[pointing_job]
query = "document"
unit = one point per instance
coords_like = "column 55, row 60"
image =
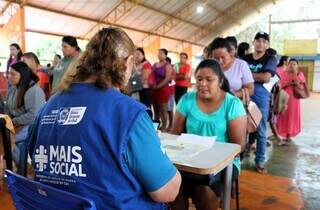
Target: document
column 268, row 86
column 183, row 147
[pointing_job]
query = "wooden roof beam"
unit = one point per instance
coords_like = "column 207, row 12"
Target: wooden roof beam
column 51, row 33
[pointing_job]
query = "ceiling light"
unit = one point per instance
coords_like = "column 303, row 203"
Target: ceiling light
column 199, row 9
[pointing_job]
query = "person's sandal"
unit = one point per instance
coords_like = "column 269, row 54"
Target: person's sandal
column 289, row 140
column 282, row 142
column 261, row 169
column 252, row 147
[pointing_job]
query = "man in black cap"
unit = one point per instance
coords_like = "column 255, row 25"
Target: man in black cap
column 263, row 67
column 70, row 50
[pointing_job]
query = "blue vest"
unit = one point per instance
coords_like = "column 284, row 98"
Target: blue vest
column 81, row 139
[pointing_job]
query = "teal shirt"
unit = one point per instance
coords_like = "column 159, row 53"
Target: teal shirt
column 145, row 157
column 212, row 124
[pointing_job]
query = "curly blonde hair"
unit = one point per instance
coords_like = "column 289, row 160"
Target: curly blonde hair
column 104, row 57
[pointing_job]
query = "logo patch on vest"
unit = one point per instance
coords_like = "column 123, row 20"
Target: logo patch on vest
column 60, row 160
column 64, row 116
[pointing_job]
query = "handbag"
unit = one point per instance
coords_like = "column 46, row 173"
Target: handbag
column 135, row 83
column 301, row 93
column 298, row 92
column 253, row 113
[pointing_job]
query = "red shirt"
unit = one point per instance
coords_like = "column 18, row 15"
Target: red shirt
column 148, row 67
column 44, row 81
column 184, row 70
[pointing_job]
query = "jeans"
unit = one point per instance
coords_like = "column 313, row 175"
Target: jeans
column 20, row 137
column 261, row 136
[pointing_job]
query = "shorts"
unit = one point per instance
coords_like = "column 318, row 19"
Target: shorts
column 162, row 95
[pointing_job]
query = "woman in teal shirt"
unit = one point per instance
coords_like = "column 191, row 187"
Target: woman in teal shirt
column 210, row 111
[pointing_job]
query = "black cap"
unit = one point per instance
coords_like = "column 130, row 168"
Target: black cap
column 263, row 35
column 70, row 40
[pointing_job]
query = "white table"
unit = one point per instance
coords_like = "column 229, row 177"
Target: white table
column 211, row 161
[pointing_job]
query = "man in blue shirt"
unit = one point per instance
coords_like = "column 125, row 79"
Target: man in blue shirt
column 263, row 67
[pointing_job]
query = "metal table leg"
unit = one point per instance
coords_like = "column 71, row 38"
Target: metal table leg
column 227, row 187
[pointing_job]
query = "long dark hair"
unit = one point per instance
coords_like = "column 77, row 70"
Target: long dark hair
column 165, row 51
column 293, row 60
column 217, row 43
column 140, row 49
column 232, row 41
column 18, row 56
column 27, row 76
column 243, row 46
column 215, row 67
column 282, row 60
column 33, row 56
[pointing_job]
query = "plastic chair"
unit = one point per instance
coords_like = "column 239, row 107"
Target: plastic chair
column 32, row 195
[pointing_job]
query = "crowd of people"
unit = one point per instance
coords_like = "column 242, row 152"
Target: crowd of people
column 93, row 111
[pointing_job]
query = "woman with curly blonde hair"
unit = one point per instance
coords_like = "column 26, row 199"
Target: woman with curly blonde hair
column 97, row 139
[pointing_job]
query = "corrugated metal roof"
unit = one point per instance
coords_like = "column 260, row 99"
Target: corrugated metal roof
column 166, row 6
column 50, row 22
column 222, row 4
column 142, row 18
column 78, row 17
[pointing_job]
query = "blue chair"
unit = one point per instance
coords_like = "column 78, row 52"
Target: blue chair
column 32, row 195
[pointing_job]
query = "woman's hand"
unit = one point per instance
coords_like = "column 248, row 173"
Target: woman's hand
column 295, row 82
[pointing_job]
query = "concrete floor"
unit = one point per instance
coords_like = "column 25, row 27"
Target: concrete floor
column 292, row 170
column 300, row 161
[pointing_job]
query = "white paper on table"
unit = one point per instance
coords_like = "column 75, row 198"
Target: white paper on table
column 206, row 141
column 268, row 86
column 181, row 148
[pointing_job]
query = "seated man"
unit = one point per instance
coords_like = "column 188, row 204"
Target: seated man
column 33, row 63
